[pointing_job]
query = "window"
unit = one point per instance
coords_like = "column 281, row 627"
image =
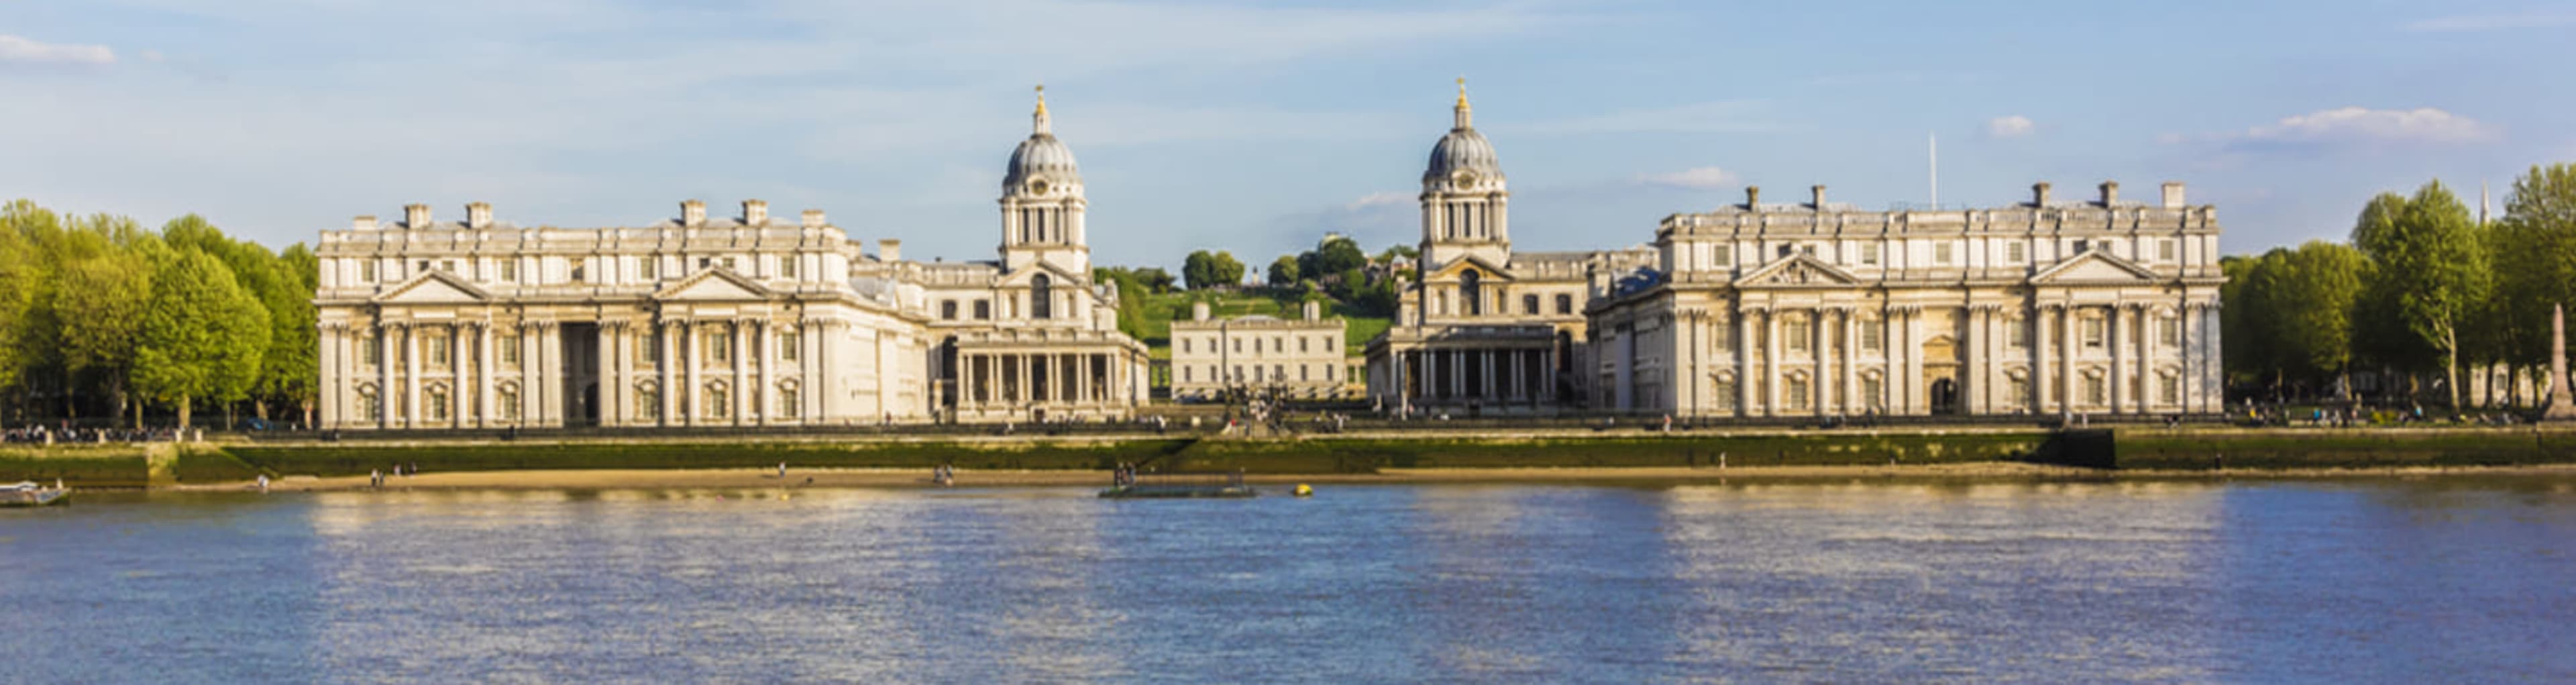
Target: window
column 650, row 267
column 719, row 346
column 2093, row 332
column 2082, row 247
column 2169, row 331
column 1041, row 297
column 1870, row 391
column 787, row 266
column 2017, row 333
column 1278, row 345
column 1301, row 346
column 437, row 404
column 1808, row 250
column 367, row 406
column 509, row 269
column 375, row 351
column 1564, row 304
column 2092, row 389
column 509, row 397
column 648, row 403
column 2165, row 250
column 2169, row 389
column 509, row 349
column 2018, row 393
column 1302, row 370
column 983, row 310
column 447, row 265
column 1185, row 374
column 1529, row 303
column 1799, row 333
column 948, row 310
column 716, row 401
column 1797, row 392
column 1238, row 346
column 791, row 345
column 1941, row 252
column 1725, row 254
column 1726, row 394
column 648, row 349
column 437, row 344
column 580, row 270
column 728, row 263
column 1469, row 296
column 1786, row 250
column 703, row 262
column 790, row 404
column 2012, row 252
column 367, row 271
column 1869, row 253
column 424, row 267
column 1872, row 336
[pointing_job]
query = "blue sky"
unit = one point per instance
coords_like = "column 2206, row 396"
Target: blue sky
column 1259, row 126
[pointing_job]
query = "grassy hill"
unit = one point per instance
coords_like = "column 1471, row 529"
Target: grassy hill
column 1161, row 309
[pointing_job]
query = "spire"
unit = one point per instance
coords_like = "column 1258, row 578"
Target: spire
column 1463, row 116
column 2483, row 203
column 1039, row 119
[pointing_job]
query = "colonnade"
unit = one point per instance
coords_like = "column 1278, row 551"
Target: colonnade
column 1459, row 375
column 640, row 373
column 1011, row 380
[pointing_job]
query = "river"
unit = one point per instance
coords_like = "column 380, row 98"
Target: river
column 2469, row 579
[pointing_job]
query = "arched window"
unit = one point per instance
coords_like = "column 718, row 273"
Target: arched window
column 1470, row 300
column 1041, row 297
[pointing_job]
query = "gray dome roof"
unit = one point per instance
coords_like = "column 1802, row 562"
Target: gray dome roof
column 1041, row 155
column 1465, row 149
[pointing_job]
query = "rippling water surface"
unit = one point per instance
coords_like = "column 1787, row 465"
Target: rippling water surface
column 2450, row 580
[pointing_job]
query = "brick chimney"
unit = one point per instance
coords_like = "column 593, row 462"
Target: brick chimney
column 2110, row 193
column 1752, row 197
column 2039, row 194
column 1818, row 193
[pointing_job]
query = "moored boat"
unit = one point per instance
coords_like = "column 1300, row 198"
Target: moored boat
column 29, row 494
column 1179, row 485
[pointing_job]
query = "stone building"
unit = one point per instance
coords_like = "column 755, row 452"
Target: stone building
column 1817, row 309
column 1485, row 329
column 700, row 321
column 1302, row 357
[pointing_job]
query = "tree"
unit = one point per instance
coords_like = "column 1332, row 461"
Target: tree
column 1283, row 272
column 291, row 370
column 1204, row 269
column 2310, row 305
column 1332, row 256
column 20, row 281
column 203, row 336
column 2431, row 274
column 100, row 303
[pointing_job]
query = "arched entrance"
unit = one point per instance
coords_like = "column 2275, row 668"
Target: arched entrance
column 1945, row 396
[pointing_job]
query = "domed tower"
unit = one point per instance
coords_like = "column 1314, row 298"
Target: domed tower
column 1042, row 203
column 1464, row 202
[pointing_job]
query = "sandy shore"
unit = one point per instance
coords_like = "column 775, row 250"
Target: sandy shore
column 653, row 479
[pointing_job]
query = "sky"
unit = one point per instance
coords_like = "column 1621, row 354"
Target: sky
column 1258, row 127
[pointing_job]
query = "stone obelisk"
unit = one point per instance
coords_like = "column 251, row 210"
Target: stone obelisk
column 2561, row 407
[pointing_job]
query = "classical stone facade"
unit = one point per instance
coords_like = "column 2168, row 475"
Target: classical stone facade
column 1302, row 357
column 1817, row 309
column 698, row 321
column 1486, row 329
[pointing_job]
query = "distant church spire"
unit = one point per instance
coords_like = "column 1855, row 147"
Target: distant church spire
column 1463, row 113
column 1038, row 122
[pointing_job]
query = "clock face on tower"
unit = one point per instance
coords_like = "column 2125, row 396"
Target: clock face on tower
column 1463, row 179
column 1038, row 187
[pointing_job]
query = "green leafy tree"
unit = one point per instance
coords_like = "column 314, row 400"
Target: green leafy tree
column 1332, row 256
column 100, row 301
column 20, row 281
column 2431, row 275
column 1283, row 271
column 1205, row 269
column 203, row 335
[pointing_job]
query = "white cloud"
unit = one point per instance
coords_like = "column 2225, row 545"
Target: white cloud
column 1726, row 116
column 2013, row 126
column 19, row 51
column 1381, row 199
column 2493, row 22
column 1702, row 178
column 2351, row 126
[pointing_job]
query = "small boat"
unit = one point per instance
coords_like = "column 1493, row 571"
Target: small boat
column 28, row 494
column 1181, row 485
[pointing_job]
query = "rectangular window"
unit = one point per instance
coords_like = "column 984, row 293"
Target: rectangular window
column 1799, row 335
column 1797, row 395
column 2169, row 331
column 650, row 267
column 791, row 345
column 719, row 346
column 717, row 402
column 2093, row 332
column 728, row 263
column 983, row 310
column 648, row 350
column 2165, row 250
column 1302, row 370
column 1725, row 255
column 1238, row 346
column 437, row 345
column 2082, row 247
column 1869, row 253
column 787, row 266
column 447, row 265
column 791, row 405
column 2169, row 389
column 1786, row 250
column 1872, row 336
column 367, row 271
column 2017, row 333
column 948, row 310
column 1565, row 304
column 1529, row 303
column 580, row 270
column 509, row 268
column 1808, row 250
column 509, row 404
column 375, row 352
column 2093, row 390
column 1185, row 346
column 1301, row 346
column 1870, row 391
column 1941, row 252
column 2013, row 252
column 509, row 349
column 2019, row 394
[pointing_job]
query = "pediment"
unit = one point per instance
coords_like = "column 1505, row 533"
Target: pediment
column 2094, row 267
column 1799, row 270
column 1457, row 268
column 714, row 284
column 1023, row 276
column 434, row 287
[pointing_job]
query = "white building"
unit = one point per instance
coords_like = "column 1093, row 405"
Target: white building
column 743, row 321
column 1302, row 357
column 1817, row 309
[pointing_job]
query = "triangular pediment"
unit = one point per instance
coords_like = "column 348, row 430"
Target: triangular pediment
column 432, row 288
column 1058, row 277
column 2094, row 267
column 1798, row 270
column 714, row 284
column 1457, row 269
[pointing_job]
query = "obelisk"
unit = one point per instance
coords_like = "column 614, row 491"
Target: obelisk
column 2561, row 407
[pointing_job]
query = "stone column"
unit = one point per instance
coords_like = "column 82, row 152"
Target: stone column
column 766, row 405
column 528, row 390
column 740, row 330
column 411, row 377
column 1744, row 377
column 485, row 359
column 2043, row 319
column 552, row 350
column 1972, row 342
column 2150, row 334
column 456, row 375
column 1852, row 402
column 1820, row 349
column 693, row 336
column 1770, row 363
column 2067, row 345
column 604, row 375
column 664, row 362
column 810, row 369
column 2115, row 325
column 1486, row 389
column 385, row 352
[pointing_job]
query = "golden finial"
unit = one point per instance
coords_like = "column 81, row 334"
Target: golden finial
column 1041, row 98
column 1462, row 91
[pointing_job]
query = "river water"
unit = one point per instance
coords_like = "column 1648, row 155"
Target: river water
column 2382, row 580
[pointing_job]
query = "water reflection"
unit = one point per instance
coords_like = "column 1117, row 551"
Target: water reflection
column 2447, row 580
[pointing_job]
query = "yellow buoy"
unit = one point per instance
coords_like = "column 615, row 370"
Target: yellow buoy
column 1305, row 491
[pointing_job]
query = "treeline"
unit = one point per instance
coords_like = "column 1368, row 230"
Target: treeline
column 2422, row 292
column 102, row 318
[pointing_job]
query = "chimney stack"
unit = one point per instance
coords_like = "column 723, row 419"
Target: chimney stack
column 813, row 218
column 1752, row 197
column 2110, row 193
column 2173, row 195
column 478, row 215
column 1199, row 311
column 415, row 216
column 693, row 213
column 755, row 212
column 890, row 250
column 363, row 223
column 1819, row 193
column 1314, row 310
column 2039, row 194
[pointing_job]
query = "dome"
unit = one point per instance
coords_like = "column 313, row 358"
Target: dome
column 1041, row 155
column 1463, row 149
